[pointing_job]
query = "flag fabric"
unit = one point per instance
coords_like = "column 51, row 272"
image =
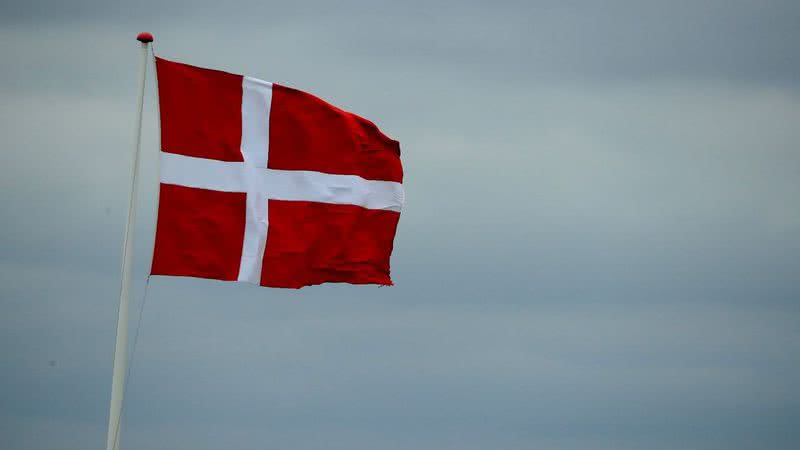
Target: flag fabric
column 270, row 185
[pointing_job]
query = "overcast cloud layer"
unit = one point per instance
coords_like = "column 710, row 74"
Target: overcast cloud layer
column 600, row 247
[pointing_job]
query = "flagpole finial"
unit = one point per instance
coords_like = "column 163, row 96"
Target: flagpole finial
column 144, row 37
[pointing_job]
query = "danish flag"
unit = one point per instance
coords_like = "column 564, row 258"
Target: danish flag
column 270, row 185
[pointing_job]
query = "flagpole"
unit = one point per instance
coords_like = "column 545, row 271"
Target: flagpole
column 121, row 347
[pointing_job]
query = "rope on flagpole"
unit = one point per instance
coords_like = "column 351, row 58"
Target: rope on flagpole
column 132, row 357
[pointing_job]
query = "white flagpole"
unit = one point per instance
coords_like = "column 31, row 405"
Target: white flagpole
column 121, row 348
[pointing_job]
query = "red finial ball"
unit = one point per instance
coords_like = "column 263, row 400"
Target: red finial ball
column 144, row 37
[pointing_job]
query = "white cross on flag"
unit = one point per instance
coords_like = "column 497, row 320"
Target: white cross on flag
column 270, row 185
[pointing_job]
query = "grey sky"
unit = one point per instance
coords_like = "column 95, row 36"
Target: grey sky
column 600, row 248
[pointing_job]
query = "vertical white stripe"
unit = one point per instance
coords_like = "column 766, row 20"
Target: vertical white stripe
column 255, row 238
column 256, row 103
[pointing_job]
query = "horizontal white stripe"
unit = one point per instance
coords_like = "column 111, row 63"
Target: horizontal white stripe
column 295, row 185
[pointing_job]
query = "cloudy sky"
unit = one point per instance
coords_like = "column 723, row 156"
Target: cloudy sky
column 600, row 246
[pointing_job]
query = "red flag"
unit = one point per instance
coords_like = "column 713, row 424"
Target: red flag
column 270, row 185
